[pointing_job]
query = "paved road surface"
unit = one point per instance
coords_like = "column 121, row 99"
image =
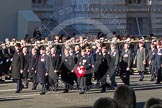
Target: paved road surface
column 31, row 99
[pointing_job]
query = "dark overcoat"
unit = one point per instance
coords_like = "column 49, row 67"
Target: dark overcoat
column 54, row 65
column 66, row 67
column 42, row 68
column 17, row 65
column 26, row 65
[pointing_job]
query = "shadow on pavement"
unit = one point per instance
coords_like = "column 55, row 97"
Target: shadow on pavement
column 12, row 99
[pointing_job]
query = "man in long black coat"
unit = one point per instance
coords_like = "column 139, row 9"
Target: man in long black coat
column 17, row 67
column 103, row 67
column 114, row 53
column 151, row 61
column 158, row 63
column 26, row 66
column 55, row 60
column 32, row 67
column 42, row 69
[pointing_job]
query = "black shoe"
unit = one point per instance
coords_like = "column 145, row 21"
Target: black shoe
column 17, row 91
column 141, row 79
column 42, row 93
column 34, row 88
column 103, row 90
column 157, row 83
column 56, row 89
column 151, row 79
column 22, row 87
column 65, row 91
column 81, row 92
column 7, row 78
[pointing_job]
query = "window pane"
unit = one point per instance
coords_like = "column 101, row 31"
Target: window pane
column 39, row 1
column 134, row 1
column 33, row 1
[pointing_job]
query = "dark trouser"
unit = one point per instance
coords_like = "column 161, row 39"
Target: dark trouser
column 25, row 82
column 19, row 85
column 47, row 82
column 5, row 68
column 104, row 84
column 88, row 80
column 159, row 77
column 125, row 77
column 33, row 77
column 141, row 73
column 152, row 71
column 67, row 87
column 43, row 90
column 82, row 83
column 112, row 78
column 53, row 84
column 1, row 70
column 74, row 77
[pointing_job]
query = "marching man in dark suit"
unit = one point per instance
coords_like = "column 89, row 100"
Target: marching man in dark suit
column 158, row 63
column 42, row 69
column 17, row 67
column 90, row 57
column 32, row 67
column 26, row 65
column 54, row 69
column 114, row 53
column 151, row 61
column 125, row 64
column 77, row 54
column 103, row 67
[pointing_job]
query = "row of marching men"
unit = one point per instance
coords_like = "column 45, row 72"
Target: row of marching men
column 45, row 67
column 80, row 63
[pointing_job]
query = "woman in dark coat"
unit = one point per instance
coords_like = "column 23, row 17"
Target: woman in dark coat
column 54, row 69
column 17, row 67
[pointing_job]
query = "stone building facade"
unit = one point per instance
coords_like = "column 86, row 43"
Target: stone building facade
column 135, row 17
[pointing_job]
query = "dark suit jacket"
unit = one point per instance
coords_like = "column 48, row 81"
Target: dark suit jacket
column 114, row 57
column 151, row 58
column 17, row 65
column 158, row 60
column 125, row 60
column 103, row 65
column 26, row 65
column 42, row 68
column 54, row 65
column 33, row 62
column 66, row 67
